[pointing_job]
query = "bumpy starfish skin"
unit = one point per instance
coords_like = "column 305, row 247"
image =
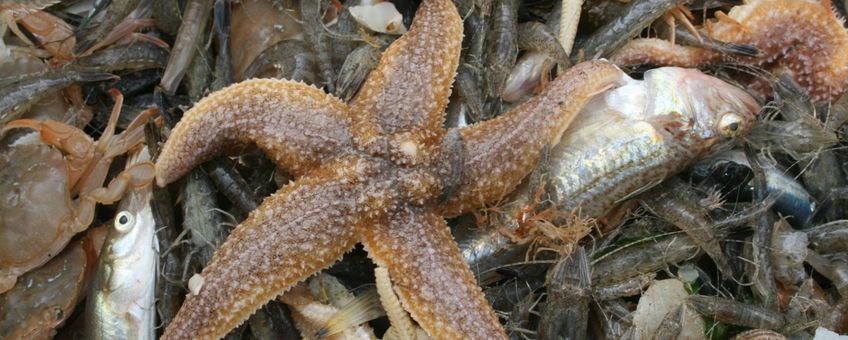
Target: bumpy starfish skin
column 405, row 94
column 495, row 165
column 417, row 240
column 304, row 227
column 377, row 172
column 802, row 36
column 298, row 141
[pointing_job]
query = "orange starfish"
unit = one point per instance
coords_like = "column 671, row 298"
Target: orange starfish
column 802, row 36
column 382, row 171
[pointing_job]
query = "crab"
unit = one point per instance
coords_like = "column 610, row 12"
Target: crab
column 50, row 195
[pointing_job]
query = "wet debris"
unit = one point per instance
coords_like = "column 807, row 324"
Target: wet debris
column 705, row 202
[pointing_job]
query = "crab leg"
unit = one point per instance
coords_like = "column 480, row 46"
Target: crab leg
column 115, row 145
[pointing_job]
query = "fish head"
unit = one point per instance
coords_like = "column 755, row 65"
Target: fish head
column 700, row 111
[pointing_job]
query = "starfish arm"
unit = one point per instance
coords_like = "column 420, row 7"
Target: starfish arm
column 804, row 37
column 662, row 52
column 409, row 89
column 296, row 124
column 304, row 227
column 501, row 151
column 433, row 282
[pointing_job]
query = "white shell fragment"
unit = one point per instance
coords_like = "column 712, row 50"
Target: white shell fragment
column 661, row 298
column 195, row 283
column 525, row 76
column 382, row 17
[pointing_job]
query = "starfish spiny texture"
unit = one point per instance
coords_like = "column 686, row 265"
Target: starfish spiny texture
column 802, row 36
column 382, row 171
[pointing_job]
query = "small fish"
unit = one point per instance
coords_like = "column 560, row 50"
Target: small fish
column 355, row 69
column 673, row 201
column 566, row 312
column 628, row 139
column 794, row 200
column 836, row 270
column 535, row 36
column 313, row 27
column 643, row 256
column 831, row 237
column 628, row 287
column 186, row 45
column 103, row 23
column 736, row 313
column 201, row 218
column 232, row 185
column 16, row 97
column 788, row 251
column 288, row 59
column 223, row 76
column 121, row 298
column 502, row 47
column 636, row 16
column 132, row 57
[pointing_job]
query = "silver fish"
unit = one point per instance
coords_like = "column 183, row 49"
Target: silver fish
column 628, row 139
column 121, row 297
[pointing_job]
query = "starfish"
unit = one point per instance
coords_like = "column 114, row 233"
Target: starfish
column 381, row 170
column 802, row 36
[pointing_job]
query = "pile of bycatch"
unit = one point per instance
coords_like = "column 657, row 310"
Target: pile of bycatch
column 531, row 169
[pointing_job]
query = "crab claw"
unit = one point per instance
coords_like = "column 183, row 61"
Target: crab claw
column 73, row 141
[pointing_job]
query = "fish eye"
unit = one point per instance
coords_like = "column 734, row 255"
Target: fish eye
column 124, row 221
column 730, row 124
